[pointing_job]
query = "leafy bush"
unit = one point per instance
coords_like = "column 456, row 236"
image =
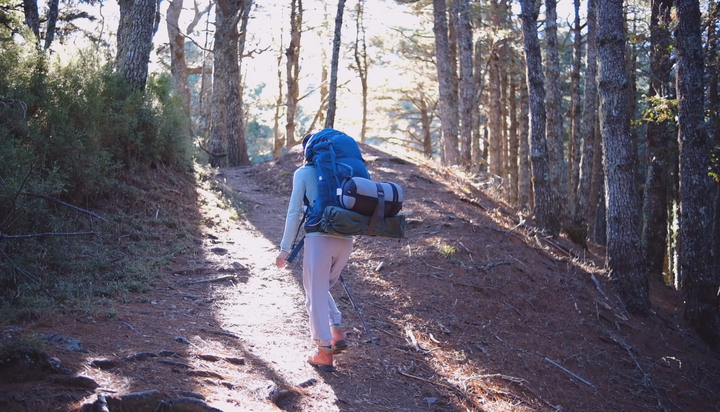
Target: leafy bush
column 70, row 137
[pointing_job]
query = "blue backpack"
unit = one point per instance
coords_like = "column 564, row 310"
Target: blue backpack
column 335, row 157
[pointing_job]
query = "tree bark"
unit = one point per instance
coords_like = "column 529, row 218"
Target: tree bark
column 227, row 142
column 178, row 64
column 467, row 81
column 575, row 109
column 332, row 97
column 361, row 61
column 51, row 23
column 134, row 40
column 545, row 216
column 586, row 198
column 426, row 122
column 278, row 142
column 713, row 59
column 479, row 144
column 448, row 106
column 655, row 206
column 553, row 104
column 700, row 284
column 513, row 143
column 292, row 53
column 494, row 142
column 621, row 199
column 32, row 18
column 524, row 173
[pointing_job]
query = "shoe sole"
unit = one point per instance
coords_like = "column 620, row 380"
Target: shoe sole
column 339, row 347
column 323, row 367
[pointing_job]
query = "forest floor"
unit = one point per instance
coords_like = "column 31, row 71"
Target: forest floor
column 475, row 310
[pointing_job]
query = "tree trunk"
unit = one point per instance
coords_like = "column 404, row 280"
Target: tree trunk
column 278, row 142
column 238, row 141
column 426, row 122
column 655, row 204
column 332, row 97
column 524, row 186
column 325, row 38
column 713, row 59
column 178, row 64
column 503, row 104
column 227, row 143
column 545, row 216
column 361, row 61
column 32, row 18
column 700, row 284
column 478, row 144
column 631, row 68
column 575, row 109
column 51, row 23
column 586, row 194
column 513, row 142
column 622, row 203
column 134, row 40
column 494, row 144
column 494, row 111
column 467, row 89
column 553, row 104
column 292, row 53
column 448, row 106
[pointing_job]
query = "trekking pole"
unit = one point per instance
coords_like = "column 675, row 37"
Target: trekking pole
column 297, row 246
column 359, row 312
column 295, row 250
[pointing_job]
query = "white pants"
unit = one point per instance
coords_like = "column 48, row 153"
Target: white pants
column 323, row 260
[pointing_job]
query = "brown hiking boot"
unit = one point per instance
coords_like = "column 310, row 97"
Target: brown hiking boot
column 322, row 359
column 338, row 342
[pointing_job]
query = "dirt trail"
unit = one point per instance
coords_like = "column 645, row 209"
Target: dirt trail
column 475, row 310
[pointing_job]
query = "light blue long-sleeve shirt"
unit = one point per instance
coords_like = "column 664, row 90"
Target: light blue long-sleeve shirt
column 304, row 185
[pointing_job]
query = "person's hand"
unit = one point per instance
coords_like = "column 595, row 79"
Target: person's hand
column 281, row 259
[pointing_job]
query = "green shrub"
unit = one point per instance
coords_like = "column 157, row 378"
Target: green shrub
column 70, row 136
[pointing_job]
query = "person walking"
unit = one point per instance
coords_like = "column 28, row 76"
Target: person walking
column 325, row 256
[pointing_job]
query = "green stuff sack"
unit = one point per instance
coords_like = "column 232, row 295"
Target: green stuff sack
column 339, row 220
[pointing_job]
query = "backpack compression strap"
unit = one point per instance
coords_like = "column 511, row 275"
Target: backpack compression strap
column 379, row 212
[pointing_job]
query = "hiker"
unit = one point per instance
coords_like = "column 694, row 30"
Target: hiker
column 324, row 258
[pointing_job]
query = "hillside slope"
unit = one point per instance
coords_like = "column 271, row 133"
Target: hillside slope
column 475, row 310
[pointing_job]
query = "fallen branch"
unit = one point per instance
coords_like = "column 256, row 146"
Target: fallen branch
column 474, row 202
column 46, row 234
column 25, row 273
column 427, row 380
column 411, row 336
column 132, row 328
column 622, row 316
column 469, row 400
column 498, row 375
column 491, row 265
column 66, row 204
column 231, row 278
column 19, row 269
column 570, row 373
column 599, row 287
column 220, row 333
column 647, row 380
column 211, row 153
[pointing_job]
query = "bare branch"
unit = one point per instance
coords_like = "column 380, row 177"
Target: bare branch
column 58, row 201
column 198, row 15
column 45, row 234
column 18, row 269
